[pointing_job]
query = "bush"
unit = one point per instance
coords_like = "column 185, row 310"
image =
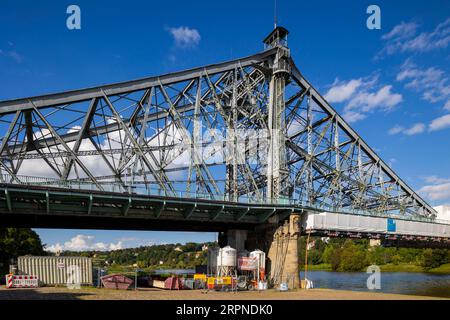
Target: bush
column 335, row 258
column 433, row 258
column 353, row 258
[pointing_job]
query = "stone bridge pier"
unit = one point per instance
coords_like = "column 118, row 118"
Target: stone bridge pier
column 280, row 243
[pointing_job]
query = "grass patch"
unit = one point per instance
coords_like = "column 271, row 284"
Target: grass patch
column 444, row 269
column 317, row 267
column 401, row 267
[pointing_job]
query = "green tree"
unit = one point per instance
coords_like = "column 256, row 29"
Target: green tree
column 353, row 257
column 433, row 258
column 334, row 258
column 15, row 242
column 327, row 254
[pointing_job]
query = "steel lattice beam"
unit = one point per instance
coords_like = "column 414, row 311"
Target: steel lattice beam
column 135, row 135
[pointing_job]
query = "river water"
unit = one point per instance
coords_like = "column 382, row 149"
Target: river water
column 422, row 284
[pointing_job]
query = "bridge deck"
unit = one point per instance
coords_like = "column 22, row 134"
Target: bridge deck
column 37, row 205
column 57, row 207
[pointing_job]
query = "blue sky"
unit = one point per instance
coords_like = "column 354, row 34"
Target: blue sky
column 392, row 84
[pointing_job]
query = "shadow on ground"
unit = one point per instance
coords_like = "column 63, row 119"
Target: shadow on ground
column 32, row 294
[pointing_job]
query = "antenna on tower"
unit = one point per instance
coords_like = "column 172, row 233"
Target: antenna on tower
column 275, row 14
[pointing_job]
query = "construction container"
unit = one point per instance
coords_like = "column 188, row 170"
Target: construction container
column 116, row 281
column 210, row 283
column 172, row 283
column 187, row 283
column 53, row 271
column 159, row 284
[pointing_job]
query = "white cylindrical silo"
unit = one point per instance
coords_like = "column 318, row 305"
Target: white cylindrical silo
column 261, row 256
column 226, row 257
column 213, row 253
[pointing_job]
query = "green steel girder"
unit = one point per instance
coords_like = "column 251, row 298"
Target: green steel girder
column 8, row 200
column 285, row 213
column 242, row 214
column 47, row 202
column 126, row 207
column 264, row 216
column 159, row 209
column 215, row 214
column 189, row 211
column 56, row 202
column 91, row 200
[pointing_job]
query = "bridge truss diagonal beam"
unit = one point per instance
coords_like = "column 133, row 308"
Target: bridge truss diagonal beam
column 180, row 135
column 345, row 169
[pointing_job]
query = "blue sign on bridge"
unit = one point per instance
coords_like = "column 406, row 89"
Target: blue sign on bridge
column 391, row 226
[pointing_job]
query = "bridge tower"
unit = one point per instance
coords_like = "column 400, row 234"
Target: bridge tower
column 283, row 241
column 277, row 172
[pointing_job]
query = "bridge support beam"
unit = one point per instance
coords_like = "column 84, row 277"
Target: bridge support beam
column 283, row 253
column 237, row 239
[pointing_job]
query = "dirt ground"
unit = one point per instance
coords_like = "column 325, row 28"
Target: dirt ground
column 87, row 293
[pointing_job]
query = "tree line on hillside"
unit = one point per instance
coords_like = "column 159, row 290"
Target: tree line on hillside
column 182, row 256
column 356, row 254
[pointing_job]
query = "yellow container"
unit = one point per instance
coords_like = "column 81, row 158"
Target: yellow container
column 210, row 283
column 224, row 280
column 200, row 277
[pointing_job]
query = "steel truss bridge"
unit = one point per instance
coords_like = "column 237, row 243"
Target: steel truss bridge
column 235, row 142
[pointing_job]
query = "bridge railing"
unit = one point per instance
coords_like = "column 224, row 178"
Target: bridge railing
column 116, row 187
column 140, row 189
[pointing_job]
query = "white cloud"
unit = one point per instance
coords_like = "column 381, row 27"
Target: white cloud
column 436, row 180
column 362, row 96
column 435, row 125
column 84, row 243
column 437, row 192
column 341, row 91
column 368, row 101
column 95, row 164
column 396, row 130
column 351, row 116
column 438, row 188
column 401, row 31
column 12, row 54
column 431, row 82
column 447, row 105
column 440, row 123
column 414, row 129
column 434, row 85
column 404, row 38
column 185, row 37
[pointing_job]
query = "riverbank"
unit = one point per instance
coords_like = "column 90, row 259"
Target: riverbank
column 390, row 267
column 89, row 293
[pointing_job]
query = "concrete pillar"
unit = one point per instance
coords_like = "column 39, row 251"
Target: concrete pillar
column 236, row 239
column 283, row 253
